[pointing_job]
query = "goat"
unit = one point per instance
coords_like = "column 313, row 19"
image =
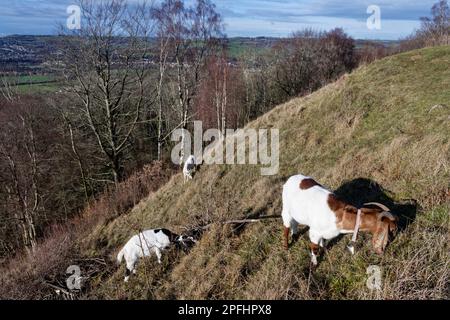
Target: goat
column 146, row 243
column 189, row 168
column 307, row 202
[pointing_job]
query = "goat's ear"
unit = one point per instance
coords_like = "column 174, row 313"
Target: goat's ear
column 393, row 228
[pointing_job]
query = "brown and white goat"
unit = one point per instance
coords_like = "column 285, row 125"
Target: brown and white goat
column 308, row 203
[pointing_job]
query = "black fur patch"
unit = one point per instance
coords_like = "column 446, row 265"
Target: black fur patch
column 167, row 233
column 127, row 272
column 195, row 233
column 172, row 236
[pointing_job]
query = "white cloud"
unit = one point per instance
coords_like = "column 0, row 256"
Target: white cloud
column 249, row 17
column 390, row 29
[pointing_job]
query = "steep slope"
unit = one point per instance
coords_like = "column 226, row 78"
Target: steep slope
column 380, row 133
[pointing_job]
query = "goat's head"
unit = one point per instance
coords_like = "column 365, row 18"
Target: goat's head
column 385, row 224
column 184, row 242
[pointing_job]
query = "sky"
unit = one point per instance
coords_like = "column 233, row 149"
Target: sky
column 274, row 18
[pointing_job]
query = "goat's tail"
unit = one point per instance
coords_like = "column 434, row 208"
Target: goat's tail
column 120, row 255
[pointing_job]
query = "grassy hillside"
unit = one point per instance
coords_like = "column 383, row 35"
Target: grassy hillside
column 380, row 133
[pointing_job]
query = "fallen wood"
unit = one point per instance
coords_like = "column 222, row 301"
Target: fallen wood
column 59, row 290
column 239, row 221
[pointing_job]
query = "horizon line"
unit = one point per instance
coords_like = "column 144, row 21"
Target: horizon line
column 225, row 37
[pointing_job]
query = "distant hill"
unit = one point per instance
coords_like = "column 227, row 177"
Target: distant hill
column 26, row 54
column 381, row 133
column 29, row 54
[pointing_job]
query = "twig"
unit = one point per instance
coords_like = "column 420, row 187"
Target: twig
column 240, row 221
column 58, row 288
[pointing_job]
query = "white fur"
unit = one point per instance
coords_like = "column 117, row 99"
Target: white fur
column 309, row 207
column 143, row 245
column 189, row 168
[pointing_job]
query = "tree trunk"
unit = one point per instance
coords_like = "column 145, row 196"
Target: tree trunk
column 224, row 100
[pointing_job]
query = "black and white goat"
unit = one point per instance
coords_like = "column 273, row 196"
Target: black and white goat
column 189, row 168
column 146, row 243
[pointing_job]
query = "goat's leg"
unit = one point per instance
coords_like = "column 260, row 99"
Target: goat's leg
column 286, row 237
column 294, row 228
column 288, row 223
column 158, row 254
column 322, row 243
column 314, row 245
column 127, row 274
column 314, row 252
column 130, row 268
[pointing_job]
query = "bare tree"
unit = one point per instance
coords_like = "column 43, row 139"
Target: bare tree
column 162, row 16
column 436, row 30
column 105, row 65
column 211, row 104
column 309, row 59
column 257, row 74
column 192, row 33
column 78, row 157
column 222, row 93
column 8, row 89
column 22, row 161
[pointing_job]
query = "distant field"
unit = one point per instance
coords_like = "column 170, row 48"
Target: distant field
column 32, row 83
column 29, row 79
column 236, row 50
column 238, row 46
column 38, row 88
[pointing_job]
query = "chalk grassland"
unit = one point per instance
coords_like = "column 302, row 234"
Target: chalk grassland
column 380, row 133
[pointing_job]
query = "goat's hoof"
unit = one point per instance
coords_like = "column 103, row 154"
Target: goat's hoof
column 351, row 249
column 322, row 244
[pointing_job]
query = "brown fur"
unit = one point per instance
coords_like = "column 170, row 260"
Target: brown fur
column 286, row 237
column 314, row 248
column 346, row 215
column 308, row 183
column 370, row 222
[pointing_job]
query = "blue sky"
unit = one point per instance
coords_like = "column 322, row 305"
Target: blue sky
column 249, row 17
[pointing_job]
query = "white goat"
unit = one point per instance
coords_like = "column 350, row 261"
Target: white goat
column 189, row 168
column 143, row 245
column 308, row 203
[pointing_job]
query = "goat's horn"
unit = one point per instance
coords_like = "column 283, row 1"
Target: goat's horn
column 388, row 215
column 380, row 205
